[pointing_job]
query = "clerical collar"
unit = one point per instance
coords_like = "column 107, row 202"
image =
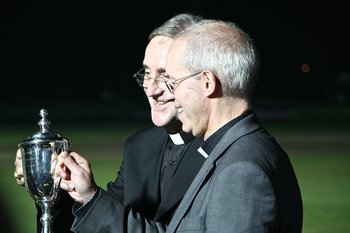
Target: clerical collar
column 181, row 138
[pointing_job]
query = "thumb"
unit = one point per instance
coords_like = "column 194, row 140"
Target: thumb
column 80, row 161
column 71, row 164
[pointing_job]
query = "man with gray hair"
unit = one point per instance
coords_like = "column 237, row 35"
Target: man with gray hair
column 247, row 184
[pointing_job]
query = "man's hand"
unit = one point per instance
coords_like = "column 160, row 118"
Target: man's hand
column 18, row 174
column 74, row 175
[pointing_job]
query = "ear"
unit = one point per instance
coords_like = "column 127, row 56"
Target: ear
column 210, row 83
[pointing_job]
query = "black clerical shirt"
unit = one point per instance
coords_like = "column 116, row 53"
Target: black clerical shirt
column 176, row 147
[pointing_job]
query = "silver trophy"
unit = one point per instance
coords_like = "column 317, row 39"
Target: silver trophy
column 39, row 158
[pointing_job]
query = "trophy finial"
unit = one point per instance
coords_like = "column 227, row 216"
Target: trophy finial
column 44, row 123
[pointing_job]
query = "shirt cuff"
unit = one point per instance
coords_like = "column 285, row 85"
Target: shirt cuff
column 81, row 209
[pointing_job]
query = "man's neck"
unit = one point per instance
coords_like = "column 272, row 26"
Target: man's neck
column 225, row 112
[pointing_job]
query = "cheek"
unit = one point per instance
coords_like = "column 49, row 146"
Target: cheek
column 188, row 97
column 192, row 105
column 183, row 98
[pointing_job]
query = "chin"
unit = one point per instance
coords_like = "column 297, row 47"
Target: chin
column 160, row 122
column 186, row 129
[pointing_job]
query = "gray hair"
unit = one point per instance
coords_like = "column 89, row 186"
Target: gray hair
column 227, row 51
column 175, row 25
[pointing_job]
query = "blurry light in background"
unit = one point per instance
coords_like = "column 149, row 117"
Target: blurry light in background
column 305, row 68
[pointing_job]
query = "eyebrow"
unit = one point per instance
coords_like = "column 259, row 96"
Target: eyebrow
column 159, row 70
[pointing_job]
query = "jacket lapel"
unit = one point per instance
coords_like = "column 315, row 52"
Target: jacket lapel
column 243, row 127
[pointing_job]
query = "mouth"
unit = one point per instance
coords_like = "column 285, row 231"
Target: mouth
column 161, row 102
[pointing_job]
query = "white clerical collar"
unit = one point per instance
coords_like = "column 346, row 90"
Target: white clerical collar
column 177, row 139
column 202, row 152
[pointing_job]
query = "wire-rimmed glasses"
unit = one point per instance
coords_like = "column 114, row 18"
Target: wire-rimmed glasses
column 171, row 85
column 143, row 78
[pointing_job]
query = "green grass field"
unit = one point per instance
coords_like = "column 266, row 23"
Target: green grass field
column 321, row 158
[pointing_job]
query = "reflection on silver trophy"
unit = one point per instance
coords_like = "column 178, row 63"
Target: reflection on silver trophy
column 39, row 156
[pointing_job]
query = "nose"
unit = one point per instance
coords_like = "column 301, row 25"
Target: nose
column 153, row 89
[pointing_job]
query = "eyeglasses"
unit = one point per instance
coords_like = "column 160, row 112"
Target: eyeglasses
column 143, row 78
column 171, row 85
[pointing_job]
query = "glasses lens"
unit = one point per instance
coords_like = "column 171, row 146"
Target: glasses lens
column 143, row 79
column 139, row 78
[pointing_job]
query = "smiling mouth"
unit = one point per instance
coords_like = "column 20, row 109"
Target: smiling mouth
column 161, row 102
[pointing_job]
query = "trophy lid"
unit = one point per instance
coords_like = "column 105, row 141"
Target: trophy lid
column 44, row 135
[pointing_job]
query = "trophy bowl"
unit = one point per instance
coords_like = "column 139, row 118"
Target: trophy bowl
column 39, row 158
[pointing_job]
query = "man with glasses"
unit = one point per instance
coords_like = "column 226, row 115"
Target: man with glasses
column 159, row 163
column 247, row 183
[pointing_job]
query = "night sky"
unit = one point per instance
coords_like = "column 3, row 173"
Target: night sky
column 88, row 51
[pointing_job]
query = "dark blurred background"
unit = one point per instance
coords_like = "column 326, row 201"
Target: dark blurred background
column 77, row 58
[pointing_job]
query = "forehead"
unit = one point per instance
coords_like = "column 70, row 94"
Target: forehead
column 157, row 50
column 175, row 56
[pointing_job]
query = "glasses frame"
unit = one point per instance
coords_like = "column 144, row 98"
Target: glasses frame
column 140, row 76
column 171, row 85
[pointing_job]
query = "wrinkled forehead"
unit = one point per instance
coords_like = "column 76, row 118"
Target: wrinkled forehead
column 156, row 51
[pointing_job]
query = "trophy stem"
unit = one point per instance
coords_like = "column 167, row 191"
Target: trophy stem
column 46, row 217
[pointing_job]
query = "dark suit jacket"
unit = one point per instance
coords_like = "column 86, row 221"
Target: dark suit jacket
column 247, row 184
column 138, row 181
column 139, row 176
